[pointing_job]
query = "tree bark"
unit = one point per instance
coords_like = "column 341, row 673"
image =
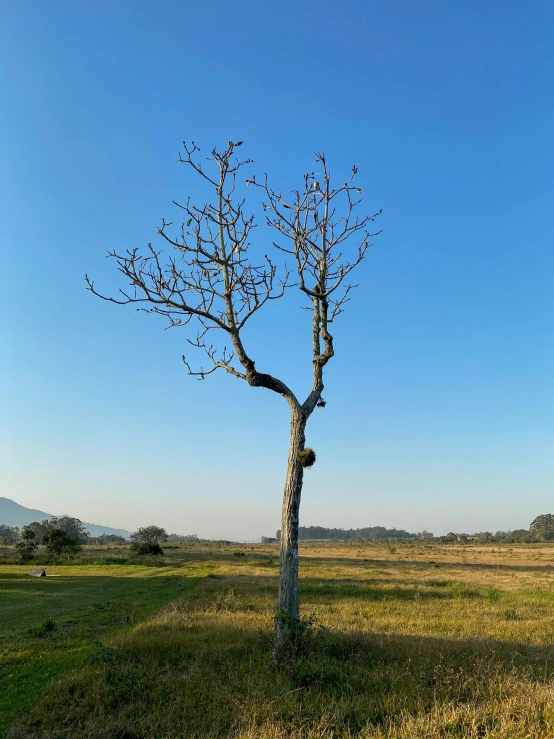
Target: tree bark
column 287, row 599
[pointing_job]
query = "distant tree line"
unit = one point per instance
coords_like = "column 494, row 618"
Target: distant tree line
column 71, row 526
column 106, row 539
column 63, row 535
column 29, row 537
column 540, row 530
column 369, row 533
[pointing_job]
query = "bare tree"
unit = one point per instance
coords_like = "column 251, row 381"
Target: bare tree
column 209, row 277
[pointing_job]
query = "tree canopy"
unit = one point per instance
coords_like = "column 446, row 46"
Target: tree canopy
column 59, row 542
column 150, row 535
column 72, row 526
column 28, row 545
column 9, row 534
column 544, row 522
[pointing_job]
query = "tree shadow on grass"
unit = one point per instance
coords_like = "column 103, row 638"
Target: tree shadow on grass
column 382, row 589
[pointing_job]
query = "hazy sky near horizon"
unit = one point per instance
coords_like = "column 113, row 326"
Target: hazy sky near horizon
column 440, row 410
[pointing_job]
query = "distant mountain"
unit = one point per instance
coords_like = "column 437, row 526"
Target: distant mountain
column 13, row 514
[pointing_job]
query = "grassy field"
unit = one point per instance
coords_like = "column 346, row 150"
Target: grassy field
column 407, row 641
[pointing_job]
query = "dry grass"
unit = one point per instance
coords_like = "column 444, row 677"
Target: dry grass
column 417, row 642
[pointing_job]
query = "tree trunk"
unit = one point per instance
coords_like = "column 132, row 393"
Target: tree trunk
column 287, row 599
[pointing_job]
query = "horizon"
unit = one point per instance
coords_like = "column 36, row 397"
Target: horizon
column 251, row 540
column 440, row 411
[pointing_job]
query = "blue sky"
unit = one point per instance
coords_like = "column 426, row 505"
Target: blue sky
column 439, row 399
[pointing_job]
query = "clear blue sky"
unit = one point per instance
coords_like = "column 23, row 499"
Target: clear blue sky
column 440, row 406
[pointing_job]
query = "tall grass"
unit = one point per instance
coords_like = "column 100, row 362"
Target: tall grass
column 414, row 644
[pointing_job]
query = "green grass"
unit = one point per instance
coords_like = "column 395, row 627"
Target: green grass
column 51, row 626
column 425, row 642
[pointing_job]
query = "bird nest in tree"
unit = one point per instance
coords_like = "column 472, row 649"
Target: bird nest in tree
column 306, row 457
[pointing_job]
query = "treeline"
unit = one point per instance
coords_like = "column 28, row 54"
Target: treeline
column 41, row 529
column 540, row 530
column 368, row 533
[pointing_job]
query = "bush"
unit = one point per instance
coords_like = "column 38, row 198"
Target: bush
column 302, row 638
column 146, row 548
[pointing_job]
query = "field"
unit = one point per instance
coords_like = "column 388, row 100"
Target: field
column 406, row 641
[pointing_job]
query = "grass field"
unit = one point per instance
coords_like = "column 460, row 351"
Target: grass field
column 408, row 641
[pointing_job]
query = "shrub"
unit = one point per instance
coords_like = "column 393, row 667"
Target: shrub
column 149, row 535
column 299, row 637
column 146, row 548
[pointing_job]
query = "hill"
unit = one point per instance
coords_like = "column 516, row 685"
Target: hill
column 13, row 514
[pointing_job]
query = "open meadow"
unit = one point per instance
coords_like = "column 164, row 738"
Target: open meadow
column 406, row 641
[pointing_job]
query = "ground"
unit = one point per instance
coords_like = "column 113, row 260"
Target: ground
column 405, row 641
